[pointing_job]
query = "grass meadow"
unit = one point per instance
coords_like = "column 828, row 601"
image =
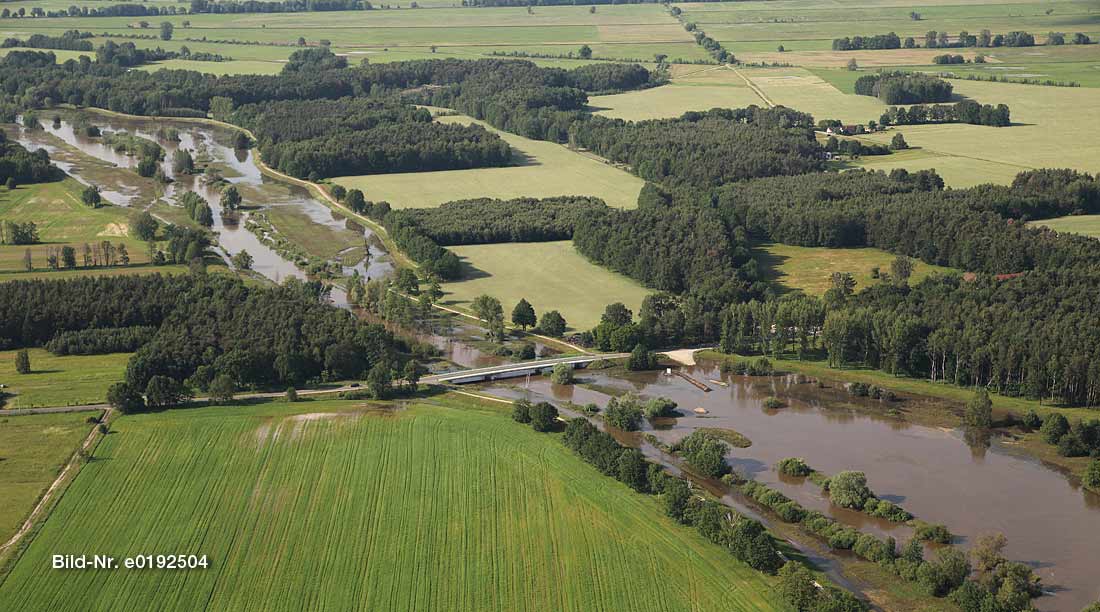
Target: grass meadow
column 435, row 505
column 1086, row 225
column 550, row 275
column 809, row 269
column 1052, row 127
column 61, row 381
column 62, row 219
column 544, row 169
column 33, row 449
column 691, row 88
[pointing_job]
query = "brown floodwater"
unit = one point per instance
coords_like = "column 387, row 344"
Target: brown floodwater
column 1051, row 523
column 258, row 190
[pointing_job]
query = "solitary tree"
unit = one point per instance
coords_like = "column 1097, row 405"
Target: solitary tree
column 23, row 362
column 231, row 198
column 979, row 410
column 125, row 398
column 852, row 65
column 562, row 374
column 901, row 269
column 242, row 260
column 552, row 323
column 849, row 489
column 166, row 30
column 543, row 416
column 585, row 52
column 1092, row 475
column 91, row 197
column 523, row 314
column 898, row 143
column 521, row 411
column 222, row 389
column 144, row 226
column 68, row 257
column 617, row 314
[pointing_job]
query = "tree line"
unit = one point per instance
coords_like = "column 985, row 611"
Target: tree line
column 71, row 40
column 488, row 221
column 965, row 111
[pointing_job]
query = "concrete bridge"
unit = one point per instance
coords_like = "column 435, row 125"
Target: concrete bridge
column 515, row 370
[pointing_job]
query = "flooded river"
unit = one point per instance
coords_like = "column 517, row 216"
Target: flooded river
column 210, row 144
column 1051, row 523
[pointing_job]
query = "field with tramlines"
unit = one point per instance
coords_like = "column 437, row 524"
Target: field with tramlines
column 335, row 505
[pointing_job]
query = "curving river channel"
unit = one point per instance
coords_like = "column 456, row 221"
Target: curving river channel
column 1050, row 521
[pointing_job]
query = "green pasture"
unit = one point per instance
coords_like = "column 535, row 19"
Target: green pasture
column 33, row 449
column 549, row 275
column 71, row 380
column 810, row 269
column 432, row 504
column 1086, row 225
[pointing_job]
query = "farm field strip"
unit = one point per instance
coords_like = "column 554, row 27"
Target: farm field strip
column 449, row 508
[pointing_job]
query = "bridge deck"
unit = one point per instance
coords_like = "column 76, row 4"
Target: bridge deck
column 512, row 370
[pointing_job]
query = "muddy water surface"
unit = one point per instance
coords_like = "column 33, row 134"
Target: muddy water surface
column 1051, row 523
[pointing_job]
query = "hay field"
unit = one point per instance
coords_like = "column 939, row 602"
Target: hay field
column 61, row 218
column 803, row 90
column 546, row 169
column 809, row 269
column 697, row 88
column 33, row 449
column 1053, row 127
column 955, row 171
column 71, row 380
column 438, row 505
column 550, row 275
column 1086, row 225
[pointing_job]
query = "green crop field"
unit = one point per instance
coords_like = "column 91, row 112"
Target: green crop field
column 1086, row 225
column 33, row 449
column 61, row 381
column 544, row 169
column 810, row 269
column 436, row 505
column 550, row 275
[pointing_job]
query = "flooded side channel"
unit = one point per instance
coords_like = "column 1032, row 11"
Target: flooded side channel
column 1051, row 523
column 212, row 145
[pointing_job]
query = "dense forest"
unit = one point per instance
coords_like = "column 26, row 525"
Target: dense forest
column 486, row 221
column 904, row 88
column 205, row 327
column 20, row 166
column 707, row 149
column 322, row 138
